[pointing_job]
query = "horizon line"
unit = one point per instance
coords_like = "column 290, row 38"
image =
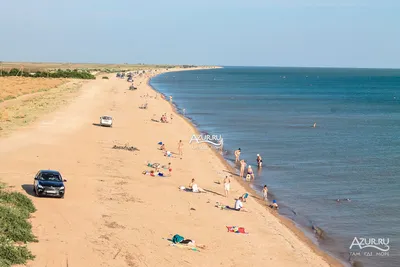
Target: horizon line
column 199, row 65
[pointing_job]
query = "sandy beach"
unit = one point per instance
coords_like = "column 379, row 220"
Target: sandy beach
column 113, row 215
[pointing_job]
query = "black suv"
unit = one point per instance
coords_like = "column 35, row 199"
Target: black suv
column 49, row 183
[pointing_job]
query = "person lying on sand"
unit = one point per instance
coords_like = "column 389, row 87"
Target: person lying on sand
column 162, row 147
column 155, row 173
column 168, row 154
column 177, row 239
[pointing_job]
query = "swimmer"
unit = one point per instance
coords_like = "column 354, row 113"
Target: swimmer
column 259, row 161
column 250, row 172
column 242, row 166
column 315, row 125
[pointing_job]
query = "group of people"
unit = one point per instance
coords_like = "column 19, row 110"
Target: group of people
column 168, row 153
column 243, row 164
column 164, row 118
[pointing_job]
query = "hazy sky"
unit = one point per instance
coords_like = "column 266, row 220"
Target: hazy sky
column 347, row 33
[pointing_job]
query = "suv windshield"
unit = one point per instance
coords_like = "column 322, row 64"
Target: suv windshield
column 106, row 118
column 49, row 177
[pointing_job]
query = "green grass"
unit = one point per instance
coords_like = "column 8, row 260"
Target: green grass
column 15, row 229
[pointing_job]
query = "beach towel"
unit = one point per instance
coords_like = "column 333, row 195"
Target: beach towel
column 237, row 230
column 221, row 206
column 185, row 247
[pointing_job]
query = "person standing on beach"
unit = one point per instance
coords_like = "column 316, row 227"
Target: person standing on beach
column 237, row 155
column 242, row 166
column 180, row 148
column 227, row 185
column 265, row 192
column 184, row 111
column 170, row 98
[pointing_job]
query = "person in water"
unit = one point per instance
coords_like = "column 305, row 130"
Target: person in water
column 259, row 161
column 265, row 192
column 274, row 205
column 242, row 166
column 237, row 155
column 250, row 172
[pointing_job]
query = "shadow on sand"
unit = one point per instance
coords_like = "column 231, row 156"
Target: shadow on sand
column 28, row 189
column 212, row 192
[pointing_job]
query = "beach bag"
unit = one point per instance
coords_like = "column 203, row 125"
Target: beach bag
column 177, row 239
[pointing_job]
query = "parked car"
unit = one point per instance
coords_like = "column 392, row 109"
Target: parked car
column 106, row 121
column 49, row 183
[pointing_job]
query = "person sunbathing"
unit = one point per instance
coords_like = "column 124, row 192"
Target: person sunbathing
column 195, row 188
column 162, row 147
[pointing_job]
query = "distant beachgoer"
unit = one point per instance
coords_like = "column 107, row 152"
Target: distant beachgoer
column 250, row 172
column 171, row 117
column 259, row 161
column 180, row 148
column 239, row 204
column 195, row 188
column 227, row 185
column 170, row 98
column 274, row 205
column 265, row 192
column 242, row 166
column 315, row 125
column 162, row 147
column 169, row 168
column 184, row 111
column 237, row 155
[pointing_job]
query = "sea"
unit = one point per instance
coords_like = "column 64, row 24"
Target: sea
column 351, row 155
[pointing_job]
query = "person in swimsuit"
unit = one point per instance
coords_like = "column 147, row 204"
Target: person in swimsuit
column 180, row 148
column 237, row 155
column 250, row 172
column 242, row 166
column 259, row 161
column 227, row 185
column 265, row 192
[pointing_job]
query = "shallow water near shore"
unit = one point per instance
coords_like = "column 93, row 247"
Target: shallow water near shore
column 353, row 152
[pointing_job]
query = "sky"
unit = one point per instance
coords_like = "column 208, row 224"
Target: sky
column 303, row 33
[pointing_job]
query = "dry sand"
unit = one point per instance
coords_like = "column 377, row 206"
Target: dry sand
column 112, row 214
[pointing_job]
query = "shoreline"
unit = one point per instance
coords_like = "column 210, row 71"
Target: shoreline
column 232, row 172
column 112, row 214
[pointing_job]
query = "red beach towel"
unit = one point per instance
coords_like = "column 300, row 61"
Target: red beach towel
column 235, row 229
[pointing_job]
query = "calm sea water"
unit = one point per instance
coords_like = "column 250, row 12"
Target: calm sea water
column 354, row 152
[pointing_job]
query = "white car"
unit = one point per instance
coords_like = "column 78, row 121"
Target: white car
column 106, row 121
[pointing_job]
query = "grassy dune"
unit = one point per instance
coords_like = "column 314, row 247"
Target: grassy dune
column 23, row 100
column 15, row 229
